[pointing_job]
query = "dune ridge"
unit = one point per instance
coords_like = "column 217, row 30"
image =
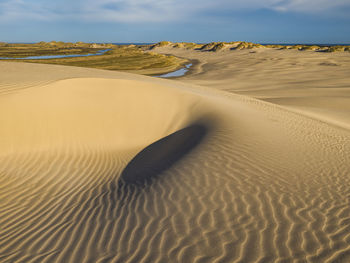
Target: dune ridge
column 263, row 184
column 311, row 83
column 239, row 45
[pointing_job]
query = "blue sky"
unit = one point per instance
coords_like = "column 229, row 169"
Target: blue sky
column 264, row 21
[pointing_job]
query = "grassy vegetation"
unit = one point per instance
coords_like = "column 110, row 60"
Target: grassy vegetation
column 119, row 58
column 312, row 48
column 247, row 45
column 213, row 46
column 126, row 58
column 131, row 58
column 238, row 45
column 276, row 46
column 208, row 47
column 51, row 48
column 336, row 49
column 218, row 47
column 161, row 44
column 187, row 45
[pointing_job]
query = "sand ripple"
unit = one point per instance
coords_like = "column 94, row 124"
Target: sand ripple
column 260, row 184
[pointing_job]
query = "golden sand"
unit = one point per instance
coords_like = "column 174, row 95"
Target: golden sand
column 101, row 166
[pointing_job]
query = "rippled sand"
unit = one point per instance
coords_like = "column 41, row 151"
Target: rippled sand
column 99, row 166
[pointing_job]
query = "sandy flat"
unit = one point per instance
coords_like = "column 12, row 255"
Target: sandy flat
column 100, row 166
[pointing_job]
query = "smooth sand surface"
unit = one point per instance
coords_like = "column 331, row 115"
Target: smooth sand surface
column 314, row 83
column 99, row 166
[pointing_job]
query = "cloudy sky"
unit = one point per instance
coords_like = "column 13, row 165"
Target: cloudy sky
column 263, row 21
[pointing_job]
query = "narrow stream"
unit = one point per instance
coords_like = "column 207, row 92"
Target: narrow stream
column 177, row 73
column 100, row 52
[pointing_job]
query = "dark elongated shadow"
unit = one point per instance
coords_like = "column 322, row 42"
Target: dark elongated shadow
column 162, row 154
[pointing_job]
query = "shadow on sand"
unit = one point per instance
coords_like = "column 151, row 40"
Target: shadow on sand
column 162, row 154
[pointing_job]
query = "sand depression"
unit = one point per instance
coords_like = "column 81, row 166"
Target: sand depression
column 244, row 180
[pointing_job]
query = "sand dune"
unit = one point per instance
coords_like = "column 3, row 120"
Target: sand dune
column 100, row 166
column 314, row 83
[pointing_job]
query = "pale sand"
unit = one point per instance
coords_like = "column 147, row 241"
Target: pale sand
column 315, row 83
column 229, row 179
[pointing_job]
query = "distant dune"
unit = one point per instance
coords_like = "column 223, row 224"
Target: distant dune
column 313, row 83
column 238, row 45
column 100, row 166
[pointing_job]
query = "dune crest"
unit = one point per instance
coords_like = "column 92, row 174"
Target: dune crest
column 238, row 45
column 247, row 180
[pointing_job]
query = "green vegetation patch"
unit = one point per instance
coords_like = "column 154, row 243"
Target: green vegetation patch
column 311, row 48
column 336, row 48
column 128, row 58
column 248, row 45
column 51, row 48
column 277, row 46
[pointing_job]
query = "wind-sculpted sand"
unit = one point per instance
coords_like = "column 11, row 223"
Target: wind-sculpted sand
column 311, row 82
column 100, row 166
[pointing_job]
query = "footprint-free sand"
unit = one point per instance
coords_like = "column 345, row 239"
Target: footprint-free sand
column 102, row 166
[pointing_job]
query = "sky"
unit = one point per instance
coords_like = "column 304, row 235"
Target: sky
column 201, row 21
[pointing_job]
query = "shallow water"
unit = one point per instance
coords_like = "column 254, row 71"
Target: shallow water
column 100, row 52
column 177, row 73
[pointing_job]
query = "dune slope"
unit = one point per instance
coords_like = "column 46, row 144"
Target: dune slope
column 101, row 166
column 314, row 83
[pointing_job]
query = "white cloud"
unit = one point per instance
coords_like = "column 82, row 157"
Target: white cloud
column 311, row 6
column 20, row 10
column 148, row 10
